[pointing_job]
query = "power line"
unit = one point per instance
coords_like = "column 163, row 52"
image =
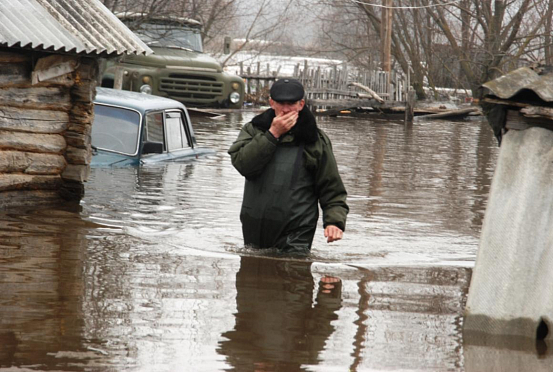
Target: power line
column 403, row 7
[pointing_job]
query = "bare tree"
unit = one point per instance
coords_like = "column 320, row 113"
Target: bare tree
column 459, row 44
column 455, row 43
column 496, row 35
column 240, row 19
column 344, row 33
column 262, row 22
column 216, row 16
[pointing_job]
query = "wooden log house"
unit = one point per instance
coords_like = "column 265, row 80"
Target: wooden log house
column 49, row 56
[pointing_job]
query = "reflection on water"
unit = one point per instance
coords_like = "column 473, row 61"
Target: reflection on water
column 279, row 327
column 150, row 273
column 417, row 195
column 41, row 271
column 508, row 354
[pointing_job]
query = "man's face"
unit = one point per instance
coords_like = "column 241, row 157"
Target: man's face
column 282, row 108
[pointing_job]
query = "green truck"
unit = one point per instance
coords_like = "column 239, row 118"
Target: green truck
column 177, row 69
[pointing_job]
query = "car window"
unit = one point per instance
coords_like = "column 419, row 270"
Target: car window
column 154, row 128
column 176, row 133
column 115, row 129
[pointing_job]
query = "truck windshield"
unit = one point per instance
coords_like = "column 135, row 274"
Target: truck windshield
column 169, row 36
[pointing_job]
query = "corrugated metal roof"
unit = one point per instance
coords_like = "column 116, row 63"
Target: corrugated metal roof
column 71, row 26
column 524, row 78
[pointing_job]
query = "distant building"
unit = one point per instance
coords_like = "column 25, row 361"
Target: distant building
column 49, row 60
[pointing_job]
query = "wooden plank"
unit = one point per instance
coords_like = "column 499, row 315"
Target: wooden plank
column 83, row 92
column 516, row 120
column 410, row 106
column 32, row 142
column 76, row 173
column 77, row 139
column 89, row 69
column 257, row 85
column 35, row 121
column 369, row 90
column 53, row 66
column 13, row 74
column 505, row 102
column 450, row 113
column 53, row 98
column 262, row 77
column 10, row 57
column 345, row 78
column 81, row 113
column 347, row 103
column 29, row 182
column 77, row 155
column 31, row 163
column 249, row 83
column 305, row 72
column 118, row 78
column 538, row 112
column 348, row 93
column 66, row 80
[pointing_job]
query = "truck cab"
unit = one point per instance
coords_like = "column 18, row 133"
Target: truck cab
column 177, row 69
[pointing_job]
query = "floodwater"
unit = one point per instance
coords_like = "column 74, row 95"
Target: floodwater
column 149, row 273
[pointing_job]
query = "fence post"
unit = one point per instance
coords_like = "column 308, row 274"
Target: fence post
column 258, row 84
column 304, row 80
column 410, row 107
column 249, row 83
column 118, row 80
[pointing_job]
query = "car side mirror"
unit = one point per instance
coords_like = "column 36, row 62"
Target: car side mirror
column 152, row 147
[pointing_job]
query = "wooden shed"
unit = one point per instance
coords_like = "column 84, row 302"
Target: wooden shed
column 50, row 52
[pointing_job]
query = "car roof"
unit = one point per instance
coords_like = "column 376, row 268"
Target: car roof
column 137, row 101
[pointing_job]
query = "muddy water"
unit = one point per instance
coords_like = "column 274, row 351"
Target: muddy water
column 149, row 272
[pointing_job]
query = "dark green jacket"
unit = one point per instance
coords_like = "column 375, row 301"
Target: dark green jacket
column 285, row 179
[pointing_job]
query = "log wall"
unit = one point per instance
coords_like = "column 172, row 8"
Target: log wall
column 44, row 130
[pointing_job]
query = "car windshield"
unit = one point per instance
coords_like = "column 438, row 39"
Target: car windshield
column 115, row 129
column 169, row 35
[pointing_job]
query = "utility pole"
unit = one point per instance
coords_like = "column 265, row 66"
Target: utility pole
column 386, row 36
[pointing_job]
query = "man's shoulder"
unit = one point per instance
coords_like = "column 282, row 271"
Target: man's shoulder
column 251, row 128
column 323, row 138
column 320, row 146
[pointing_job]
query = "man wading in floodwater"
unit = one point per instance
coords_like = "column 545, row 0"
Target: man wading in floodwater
column 289, row 167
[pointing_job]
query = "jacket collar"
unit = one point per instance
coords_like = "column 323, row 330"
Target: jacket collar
column 305, row 129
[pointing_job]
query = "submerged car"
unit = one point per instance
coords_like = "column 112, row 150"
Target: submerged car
column 133, row 128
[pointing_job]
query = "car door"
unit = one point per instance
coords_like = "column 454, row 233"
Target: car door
column 166, row 136
column 176, row 131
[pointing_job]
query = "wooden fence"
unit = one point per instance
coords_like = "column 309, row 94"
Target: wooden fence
column 337, row 86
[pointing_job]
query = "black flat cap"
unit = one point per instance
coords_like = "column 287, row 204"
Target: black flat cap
column 287, row 90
